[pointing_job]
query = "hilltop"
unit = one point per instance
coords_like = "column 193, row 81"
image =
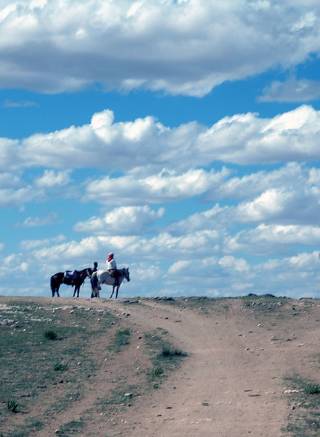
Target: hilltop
column 160, row 367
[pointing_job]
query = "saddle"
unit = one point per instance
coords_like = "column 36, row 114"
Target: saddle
column 70, row 274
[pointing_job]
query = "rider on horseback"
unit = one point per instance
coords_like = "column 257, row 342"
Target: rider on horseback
column 112, row 268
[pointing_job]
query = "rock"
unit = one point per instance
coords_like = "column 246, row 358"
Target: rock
column 128, row 395
column 7, row 322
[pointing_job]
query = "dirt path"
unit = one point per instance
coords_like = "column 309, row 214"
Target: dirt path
column 230, row 386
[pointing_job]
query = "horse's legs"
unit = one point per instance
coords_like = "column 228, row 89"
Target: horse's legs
column 74, row 292
column 117, row 291
column 78, row 291
column 112, row 291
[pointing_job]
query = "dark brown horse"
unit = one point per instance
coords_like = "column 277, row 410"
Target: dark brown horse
column 76, row 280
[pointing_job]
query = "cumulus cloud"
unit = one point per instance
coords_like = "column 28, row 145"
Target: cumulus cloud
column 122, row 220
column 267, row 239
column 146, row 146
column 292, row 90
column 165, row 186
column 169, row 46
column 19, row 196
column 51, row 178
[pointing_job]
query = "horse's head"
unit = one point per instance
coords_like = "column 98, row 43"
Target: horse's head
column 88, row 272
column 126, row 274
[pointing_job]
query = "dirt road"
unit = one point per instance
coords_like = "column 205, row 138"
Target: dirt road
column 230, row 386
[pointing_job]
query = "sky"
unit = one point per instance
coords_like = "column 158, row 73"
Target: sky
column 182, row 135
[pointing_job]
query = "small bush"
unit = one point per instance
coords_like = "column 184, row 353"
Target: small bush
column 122, row 337
column 312, row 389
column 60, row 367
column 156, row 372
column 13, row 406
column 51, row 335
column 170, row 352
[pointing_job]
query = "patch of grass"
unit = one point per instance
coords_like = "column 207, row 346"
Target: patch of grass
column 50, row 335
column 304, row 398
column 264, row 303
column 70, row 428
column 13, row 406
column 31, row 363
column 169, row 351
column 60, row 367
column 156, row 372
column 164, row 356
column 312, row 389
column 120, row 397
column 122, row 338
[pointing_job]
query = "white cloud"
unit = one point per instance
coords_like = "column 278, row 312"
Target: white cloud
column 164, row 186
column 266, row 240
column 18, row 196
column 269, row 204
column 292, row 90
column 51, row 178
column 36, row 244
column 180, row 265
column 122, row 220
column 145, row 146
column 34, row 222
column 176, row 47
column 239, row 265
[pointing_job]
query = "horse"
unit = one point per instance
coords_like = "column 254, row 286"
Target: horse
column 104, row 277
column 76, row 280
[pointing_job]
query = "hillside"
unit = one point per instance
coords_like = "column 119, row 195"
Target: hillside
column 160, row 367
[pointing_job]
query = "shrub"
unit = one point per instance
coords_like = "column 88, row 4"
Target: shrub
column 60, row 367
column 156, row 372
column 170, row 352
column 312, row 389
column 13, row 406
column 122, row 337
column 51, row 335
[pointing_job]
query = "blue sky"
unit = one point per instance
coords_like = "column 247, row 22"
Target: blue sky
column 147, row 129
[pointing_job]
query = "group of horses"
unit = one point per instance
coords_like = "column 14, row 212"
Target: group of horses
column 77, row 278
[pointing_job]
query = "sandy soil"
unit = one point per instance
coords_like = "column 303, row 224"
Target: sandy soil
column 232, row 382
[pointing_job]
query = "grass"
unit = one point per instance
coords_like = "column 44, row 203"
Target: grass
column 32, row 359
column 13, row 406
column 70, row 428
column 304, row 421
column 50, row 335
column 264, row 303
column 169, row 351
column 120, row 397
column 122, row 338
column 60, row 367
column 312, row 389
column 164, row 356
